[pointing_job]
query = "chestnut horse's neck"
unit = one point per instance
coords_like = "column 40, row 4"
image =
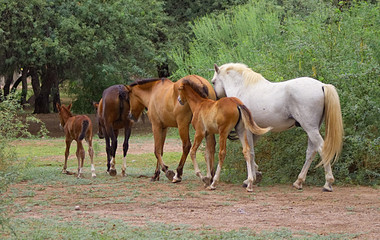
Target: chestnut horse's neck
column 192, row 97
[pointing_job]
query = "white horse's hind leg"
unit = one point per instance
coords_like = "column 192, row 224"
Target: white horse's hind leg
column 329, row 179
column 314, row 144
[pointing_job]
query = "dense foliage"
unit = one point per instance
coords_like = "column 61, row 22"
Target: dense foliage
column 334, row 44
column 92, row 44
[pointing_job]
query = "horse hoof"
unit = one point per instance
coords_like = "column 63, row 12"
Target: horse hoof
column 327, row 188
column 123, row 174
column 170, row 175
column 176, row 180
column 249, row 189
column 259, row 177
column 112, row 172
column 211, row 187
column 207, row 181
column 93, row 176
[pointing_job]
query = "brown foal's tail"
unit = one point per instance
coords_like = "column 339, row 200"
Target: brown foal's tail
column 85, row 124
column 249, row 123
column 332, row 146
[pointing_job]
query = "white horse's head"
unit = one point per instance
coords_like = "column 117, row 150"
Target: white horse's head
column 217, row 81
column 232, row 76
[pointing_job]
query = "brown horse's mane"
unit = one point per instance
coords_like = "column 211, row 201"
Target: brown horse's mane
column 201, row 90
column 146, row 80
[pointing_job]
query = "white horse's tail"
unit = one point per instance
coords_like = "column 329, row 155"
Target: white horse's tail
column 332, row 146
column 249, row 123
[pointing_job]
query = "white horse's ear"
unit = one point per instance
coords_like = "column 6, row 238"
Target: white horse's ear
column 217, row 70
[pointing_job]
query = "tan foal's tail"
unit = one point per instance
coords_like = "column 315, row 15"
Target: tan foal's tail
column 249, row 123
column 332, row 146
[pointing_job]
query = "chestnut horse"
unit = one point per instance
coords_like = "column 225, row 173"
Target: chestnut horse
column 112, row 114
column 218, row 117
column 160, row 97
column 76, row 128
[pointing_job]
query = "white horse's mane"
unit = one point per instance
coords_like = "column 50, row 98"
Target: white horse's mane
column 249, row 76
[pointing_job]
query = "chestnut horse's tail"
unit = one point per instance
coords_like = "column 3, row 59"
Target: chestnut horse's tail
column 85, row 124
column 249, row 123
column 333, row 142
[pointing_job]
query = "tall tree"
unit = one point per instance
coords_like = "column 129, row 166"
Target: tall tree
column 91, row 43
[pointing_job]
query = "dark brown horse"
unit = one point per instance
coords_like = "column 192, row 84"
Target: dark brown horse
column 218, row 117
column 76, row 128
column 160, row 97
column 112, row 114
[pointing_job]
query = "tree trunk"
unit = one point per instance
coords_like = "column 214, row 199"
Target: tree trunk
column 42, row 99
column 56, row 95
column 24, row 91
column 7, row 85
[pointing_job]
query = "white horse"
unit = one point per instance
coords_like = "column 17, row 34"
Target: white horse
column 298, row 102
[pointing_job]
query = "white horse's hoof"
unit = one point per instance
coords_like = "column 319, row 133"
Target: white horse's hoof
column 297, row 185
column 327, row 188
column 93, row 175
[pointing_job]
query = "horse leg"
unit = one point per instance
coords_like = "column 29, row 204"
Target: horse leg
column 209, row 157
column 108, row 150
column 222, row 156
column 168, row 173
column 242, row 133
column 252, row 139
column 328, row 176
column 67, row 152
column 91, row 153
column 127, row 135
column 159, row 139
column 314, row 144
column 113, row 136
column 186, row 146
column 198, row 137
column 80, row 156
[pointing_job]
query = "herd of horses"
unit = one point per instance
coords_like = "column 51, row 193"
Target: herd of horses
column 239, row 99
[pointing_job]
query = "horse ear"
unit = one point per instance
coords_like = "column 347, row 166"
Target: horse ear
column 58, row 107
column 69, row 107
column 217, row 70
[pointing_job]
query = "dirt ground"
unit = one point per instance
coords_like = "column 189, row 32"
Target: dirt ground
column 348, row 209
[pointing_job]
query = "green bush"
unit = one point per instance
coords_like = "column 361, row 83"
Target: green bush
column 11, row 126
column 334, row 44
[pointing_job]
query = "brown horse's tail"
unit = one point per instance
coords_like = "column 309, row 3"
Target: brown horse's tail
column 249, row 123
column 123, row 96
column 332, row 146
column 85, row 124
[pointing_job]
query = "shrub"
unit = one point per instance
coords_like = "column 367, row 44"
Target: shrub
column 11, row 126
